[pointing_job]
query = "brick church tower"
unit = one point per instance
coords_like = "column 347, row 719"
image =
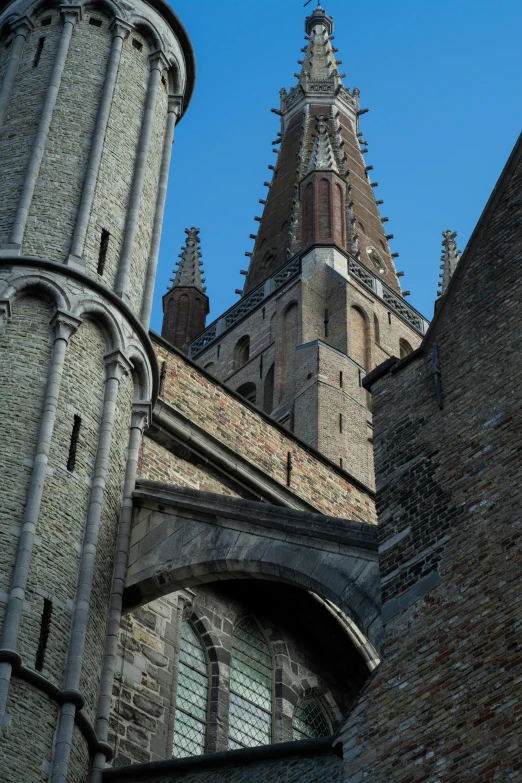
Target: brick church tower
column 185, row 305
column 322, row 304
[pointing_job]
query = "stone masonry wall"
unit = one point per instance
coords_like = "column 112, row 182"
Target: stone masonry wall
column 209, row 405
column 54, row 206
column 28, row 94
column 23, row 376
column 59, row 186
column 445, row 703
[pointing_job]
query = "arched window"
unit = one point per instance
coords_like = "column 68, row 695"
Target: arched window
column 182, row 317
column 309, row 720
column 376, row 330
column 190, row 720
column 289, row 342
column 242, row 351
column 308, row 211
column 404, row 348
column 268, row 396
column 248, row 391
column 250, row 711
column 358, row 336
column 324, row 210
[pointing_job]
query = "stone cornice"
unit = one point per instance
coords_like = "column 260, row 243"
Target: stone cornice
column 291, row 521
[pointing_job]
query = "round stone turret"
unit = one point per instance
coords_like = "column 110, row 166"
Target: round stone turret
column 88, row 103
column 89, row 97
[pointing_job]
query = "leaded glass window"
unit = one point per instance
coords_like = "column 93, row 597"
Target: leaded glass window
column 310, row 721
column 190, row 720
column 250, row 710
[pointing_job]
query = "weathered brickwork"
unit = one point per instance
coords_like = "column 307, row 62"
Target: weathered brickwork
column 445, row 703
column 208, row 404
column 160, row 464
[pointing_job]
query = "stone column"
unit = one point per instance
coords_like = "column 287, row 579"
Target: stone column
column 21, row 27
column 174, row 110
column 120, row 31
column 141, row 413
column 158, row 63
column 71, row 14
column 72, row 700
column 64, row 326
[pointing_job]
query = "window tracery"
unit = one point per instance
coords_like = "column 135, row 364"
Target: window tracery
column 250, row 710
column 190, row 720
column 309, row 720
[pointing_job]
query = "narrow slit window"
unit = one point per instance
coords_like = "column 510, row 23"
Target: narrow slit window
column 38, row 53
column 47, row 21
column 95, row 22
column 137, row 44
column 340, row 422
column 73, row 448
column 340, row 379
column 102, row 253
column 45, row 627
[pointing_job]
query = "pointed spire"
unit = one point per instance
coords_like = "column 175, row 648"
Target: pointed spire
column 188, row 273
column 319, row 64
column 322, row 157
column 450, row 258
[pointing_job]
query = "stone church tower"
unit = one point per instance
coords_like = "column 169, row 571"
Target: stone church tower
column 89, row 97
column 322, row 304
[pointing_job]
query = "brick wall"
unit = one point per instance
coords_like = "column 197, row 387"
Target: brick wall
column 445, row 703
column 209, row 405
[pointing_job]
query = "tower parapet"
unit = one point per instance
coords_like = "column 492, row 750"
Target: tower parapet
column 89, row 96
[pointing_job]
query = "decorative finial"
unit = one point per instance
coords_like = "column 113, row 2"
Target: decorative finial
column 322, row 157
column 450, row 258
column 188, row 273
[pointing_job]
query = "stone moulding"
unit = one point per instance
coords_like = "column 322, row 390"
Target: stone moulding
column 9, row 264
column 158, row 771
column 42, row 684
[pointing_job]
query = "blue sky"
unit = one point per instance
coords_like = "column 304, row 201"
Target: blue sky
column 442, row 81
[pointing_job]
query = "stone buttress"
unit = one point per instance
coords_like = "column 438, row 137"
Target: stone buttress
column 89, row 97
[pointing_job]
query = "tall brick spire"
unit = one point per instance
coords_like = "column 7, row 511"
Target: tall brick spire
column 185, row 305
column 320, row 133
